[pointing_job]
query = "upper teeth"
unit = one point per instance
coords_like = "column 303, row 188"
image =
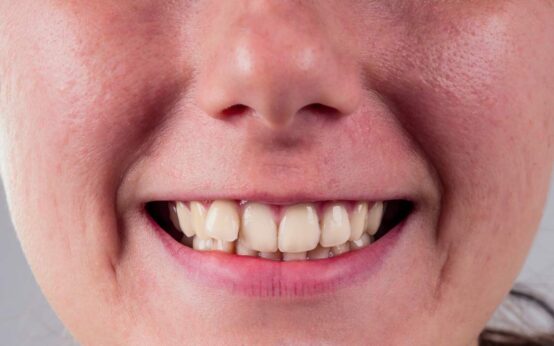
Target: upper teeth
column 254, row 229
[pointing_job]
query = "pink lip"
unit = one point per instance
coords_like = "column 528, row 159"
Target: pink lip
column 256, row 277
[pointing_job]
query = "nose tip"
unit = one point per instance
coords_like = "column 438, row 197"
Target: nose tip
column 276, row 77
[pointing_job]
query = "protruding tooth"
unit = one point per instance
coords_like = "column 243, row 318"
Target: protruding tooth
column 258, row 230
column 294, row 256
column 244, row 250
column 374, row 217
column 202, row 244
column 335, row 228
column 173, row 215
column 358, row 220
column 222, row 245
column 276, row 256
column 360, row 243
column 185, row 219
column 299, row 229
column 198, row 216
column 340, row 249
column 222, row 220
column 319, row 252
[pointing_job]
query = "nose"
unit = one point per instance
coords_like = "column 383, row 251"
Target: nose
column 277, row 61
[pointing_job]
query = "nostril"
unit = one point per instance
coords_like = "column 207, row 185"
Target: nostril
column 234, row 110
column 321, row 109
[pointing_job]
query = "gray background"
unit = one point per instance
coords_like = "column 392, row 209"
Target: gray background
column 26, row 318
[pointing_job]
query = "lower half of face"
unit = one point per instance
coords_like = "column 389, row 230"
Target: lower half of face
column 276, row 172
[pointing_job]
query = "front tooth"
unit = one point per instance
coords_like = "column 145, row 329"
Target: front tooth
column 374, row 218
column 198, row 216
column 276, row 256
column 364, row 240
column 358, row 220
column 299, row 229
column 185, row 219
column 319, row 252
column 340, row 249
column 222, row 245
column 258, row 230
column 243, row 250
column 335, row 229
column 202, row 244
column 294, row 256
column 222, row 220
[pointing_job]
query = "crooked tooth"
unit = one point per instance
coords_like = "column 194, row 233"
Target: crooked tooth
column 202, row 244
column 340, row 249
column 374, row 217
column 184, row 218
column 299, row 229
column 173, row 215
column 222, row 220
column 358, row 220
column 294, row 256
column 363, row 241
column 198, row 216
column 222, row 245
column 335, row 228
column 276, row 256
column 258, row 229
column 319, row 252
column 243, row 250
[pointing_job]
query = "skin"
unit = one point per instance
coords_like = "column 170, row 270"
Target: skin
column 105, row 105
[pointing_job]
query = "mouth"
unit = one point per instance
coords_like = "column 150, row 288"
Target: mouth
column 267, row 250
column 297, row 232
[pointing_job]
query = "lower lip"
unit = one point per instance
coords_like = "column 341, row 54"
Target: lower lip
column 256, row 277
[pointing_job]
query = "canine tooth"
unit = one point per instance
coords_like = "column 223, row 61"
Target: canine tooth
column 319, row 252
column 299, row 229
column 340, row 249
column 358, row 220
column 244, row 250
column 360, row 243
column 222, row 245
column 374, row 217
column 335, row 228
column 202, row 244
column 276, row 256
column 198, row 216
column 294, row 256
column 222, row 220
column 173, row 215
column 258, row 230
column 185, row 219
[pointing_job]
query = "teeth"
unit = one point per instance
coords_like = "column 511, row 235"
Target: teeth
column 222, row 245
column 253, row 231
column 340, row 249
column 294, row 256
column 276, row 256
column 244, row 250
column 258, row 230
column 335, row 228
column 364, row 240
column 299, row 229
column 184, row 219
column 358, row 220
column 201, row 244
column 222, row 220
column 198, row 216
column 319, row 253
column 374, row 218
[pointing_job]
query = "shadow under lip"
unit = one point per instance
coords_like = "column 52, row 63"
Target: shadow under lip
column 265, row 279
